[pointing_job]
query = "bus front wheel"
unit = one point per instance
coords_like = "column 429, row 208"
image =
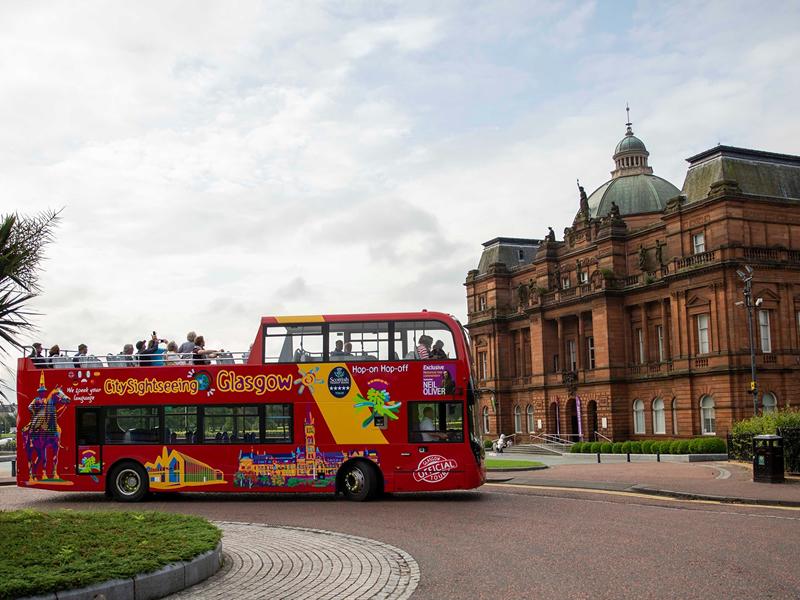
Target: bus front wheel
column 128, row 482
column 358, row 481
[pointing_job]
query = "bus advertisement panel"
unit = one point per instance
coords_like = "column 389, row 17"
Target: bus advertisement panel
column 320, row 404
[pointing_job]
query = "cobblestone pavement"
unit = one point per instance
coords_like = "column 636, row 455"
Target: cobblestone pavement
column 263, row 561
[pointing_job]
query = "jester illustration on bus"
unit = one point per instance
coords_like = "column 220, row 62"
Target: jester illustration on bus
column 41, row 437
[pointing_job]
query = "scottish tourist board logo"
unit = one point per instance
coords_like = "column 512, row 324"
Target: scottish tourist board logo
column 339, row 382
column 434, row 468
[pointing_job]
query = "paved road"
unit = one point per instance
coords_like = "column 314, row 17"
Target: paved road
column 516, row 542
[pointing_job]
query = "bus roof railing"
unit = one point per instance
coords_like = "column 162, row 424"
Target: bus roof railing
column 91, row 361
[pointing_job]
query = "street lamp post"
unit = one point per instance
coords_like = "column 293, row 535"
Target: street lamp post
column 746, row 276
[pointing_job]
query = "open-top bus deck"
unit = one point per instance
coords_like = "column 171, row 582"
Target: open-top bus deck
column 353, row 404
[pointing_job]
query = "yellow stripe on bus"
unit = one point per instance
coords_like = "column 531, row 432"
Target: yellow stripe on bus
column 301, row 319
column 344, row 420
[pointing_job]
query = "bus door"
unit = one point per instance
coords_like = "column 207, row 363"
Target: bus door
column 88, row 441
column 434, row 456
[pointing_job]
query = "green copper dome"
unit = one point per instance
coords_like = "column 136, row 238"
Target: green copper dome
column 630, row 143
column 633, row 194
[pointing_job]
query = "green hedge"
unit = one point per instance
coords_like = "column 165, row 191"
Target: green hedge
column 787, row 420
column 701, row 445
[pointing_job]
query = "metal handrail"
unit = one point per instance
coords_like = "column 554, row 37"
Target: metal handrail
column 547, row 438
column 124, row 361
column 598, row 434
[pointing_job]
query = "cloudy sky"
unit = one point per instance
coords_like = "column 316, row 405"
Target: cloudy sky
column 221, row 161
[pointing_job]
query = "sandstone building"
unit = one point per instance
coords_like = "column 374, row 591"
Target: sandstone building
column 629, row 326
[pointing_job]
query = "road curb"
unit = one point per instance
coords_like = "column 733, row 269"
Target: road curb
column 148, row 586
column 726, row 499
column 643, row 489
column 516, row 470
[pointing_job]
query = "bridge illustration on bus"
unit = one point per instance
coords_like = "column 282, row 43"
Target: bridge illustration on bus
column 350, row 404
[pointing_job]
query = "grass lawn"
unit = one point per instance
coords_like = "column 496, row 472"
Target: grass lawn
column 49, row 551
column 496, row 463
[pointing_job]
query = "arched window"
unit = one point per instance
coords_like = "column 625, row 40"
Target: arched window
column 659, row 422
column 529, row 413
column 674, row 416
column 517, row 419
column 485, row 419
column 768, row 403
column 707, row 416
column 638, row 417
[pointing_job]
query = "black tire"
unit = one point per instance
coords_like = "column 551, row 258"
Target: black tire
column 128, row 482
column 358, row 481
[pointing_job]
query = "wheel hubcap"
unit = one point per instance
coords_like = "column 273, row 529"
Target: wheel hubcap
column 354, row 481
column 128, row 482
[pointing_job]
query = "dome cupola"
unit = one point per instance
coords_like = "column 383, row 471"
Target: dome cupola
column 632, row 188
column 630, row 155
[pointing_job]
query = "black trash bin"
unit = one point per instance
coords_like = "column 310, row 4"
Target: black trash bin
column 768, row 459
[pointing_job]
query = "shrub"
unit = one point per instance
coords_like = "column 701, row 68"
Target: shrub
column 606, row 447
column 665, row 446
column 694, row 446
column 711, row 445
column 487, row 444
column 636, row 447
column 576, row 447
column 10, row 446
column 647, row 447
column 587, row 447
column 683, row 446
column 616, row 447
column 743, row 431
column 626, row 447
column 596, row 447
column 675, row 447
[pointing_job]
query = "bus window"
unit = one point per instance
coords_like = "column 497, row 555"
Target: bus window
column 88, row 428
column 358, row 341
column 231, row 424
column 181, row 424
column 132, row 425
column 424, row 340
column 436, row 422
column 293, row 344
column 278, row 423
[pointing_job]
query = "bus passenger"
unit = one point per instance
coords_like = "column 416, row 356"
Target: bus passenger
column 348, row 349
column 424, row 346
column 142, row 358
column 187, row 347
column 55, row 351
column 428, row 429
column 200, row 355
column 39, row 361
column 172, row 357
column 337, row 352
column 437, row 351
column 128, row 360
column 80, row 360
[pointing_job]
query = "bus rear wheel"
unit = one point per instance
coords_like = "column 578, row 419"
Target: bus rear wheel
column 358, row 481
column 128, row 482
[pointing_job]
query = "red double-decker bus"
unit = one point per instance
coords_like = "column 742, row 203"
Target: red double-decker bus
column 352, row 404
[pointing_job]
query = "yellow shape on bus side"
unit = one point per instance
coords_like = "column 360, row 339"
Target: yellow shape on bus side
column 343, row 420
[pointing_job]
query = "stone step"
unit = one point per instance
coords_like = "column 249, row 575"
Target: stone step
column 532, row 449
